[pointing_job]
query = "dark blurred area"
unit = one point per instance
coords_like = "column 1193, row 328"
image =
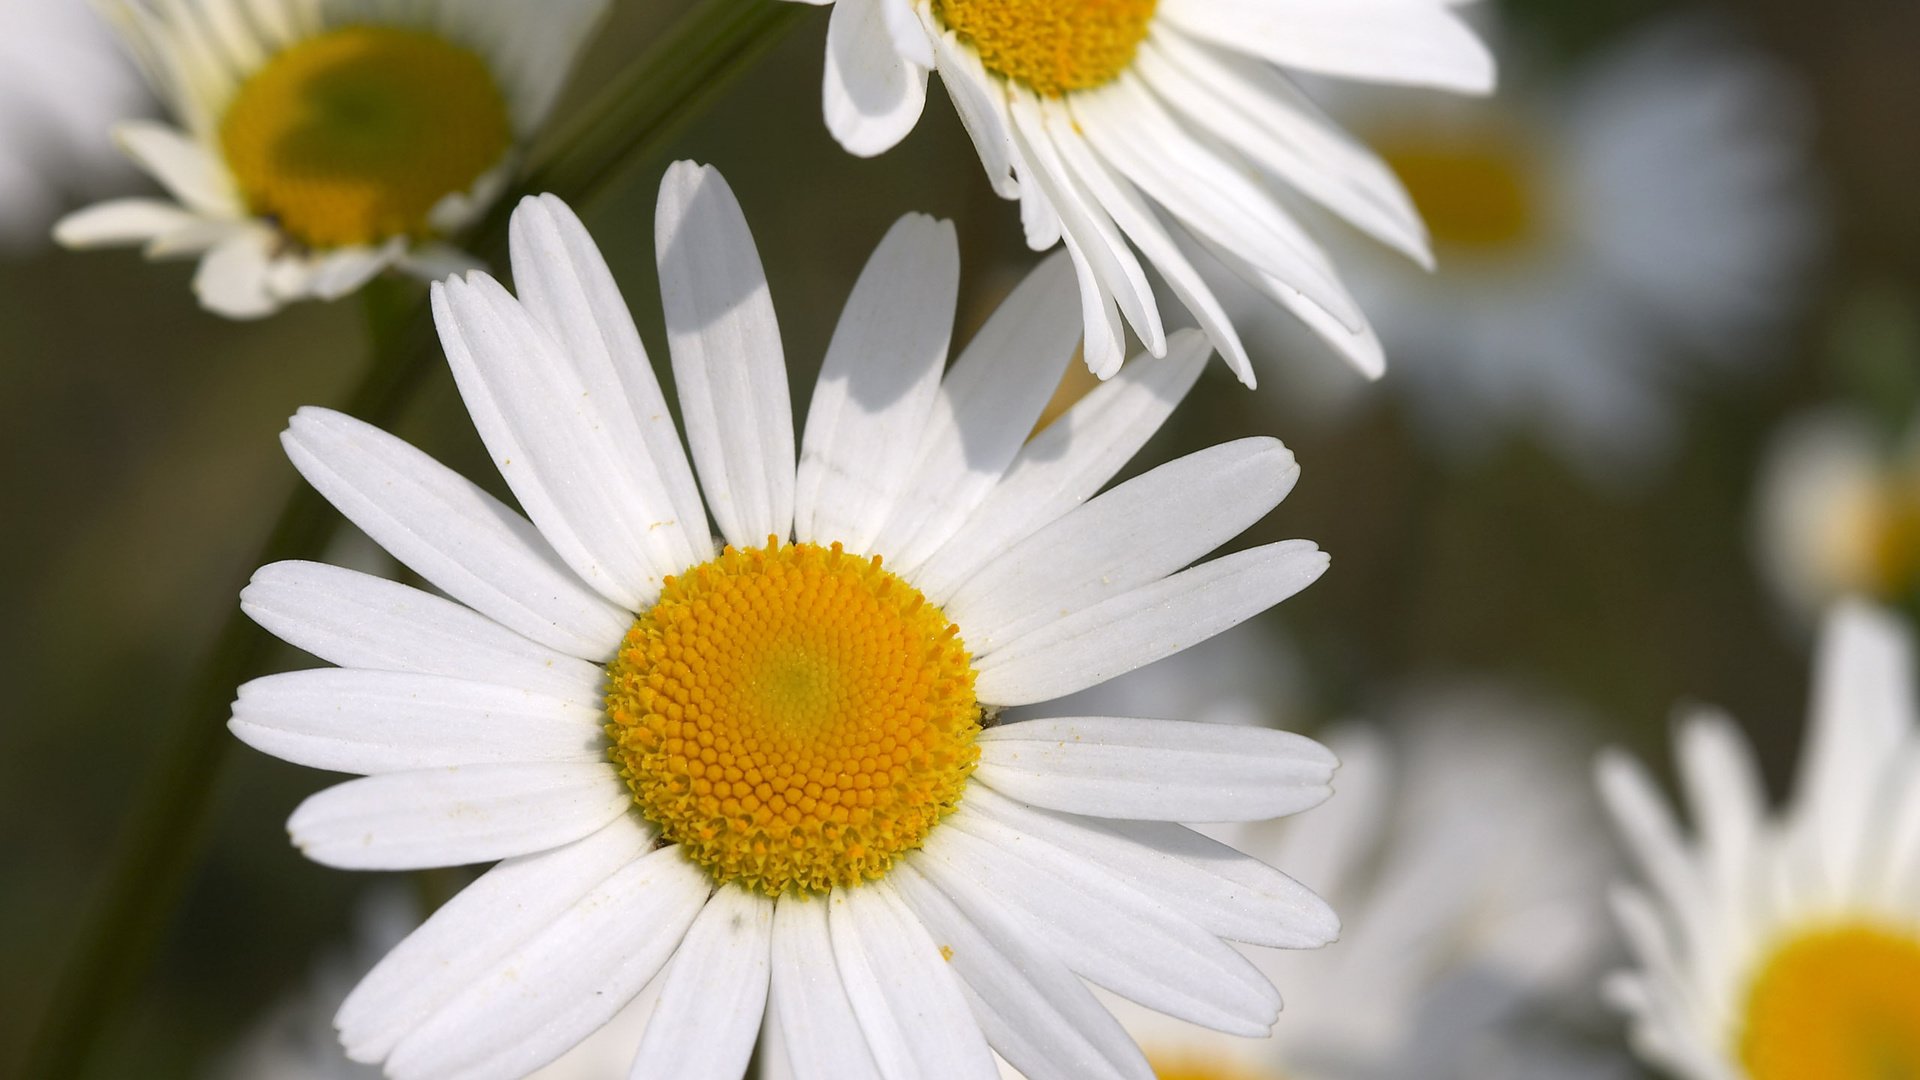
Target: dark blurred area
column 142, row 470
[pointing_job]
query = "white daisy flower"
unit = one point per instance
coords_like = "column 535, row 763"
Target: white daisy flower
column 62, row 82
column 1839, row 512
column 1465, row 927
column 1161, row 127
column 770, row 776
column 1783, row 947
column 320, row 142
column 1606, row 240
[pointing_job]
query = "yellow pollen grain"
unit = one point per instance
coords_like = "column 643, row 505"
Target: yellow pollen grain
column 1052, row 47
column 1475, row 194
column 796, row 718
column 351, row 137
column 1838, row 1003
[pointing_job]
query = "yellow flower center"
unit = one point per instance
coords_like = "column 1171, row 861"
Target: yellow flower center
column 1476, row 194
column 1052, row 47
column 1839, row 1003
column 351, row 137
column 1893, row 553
column 1191, row 1066
column 795, row 717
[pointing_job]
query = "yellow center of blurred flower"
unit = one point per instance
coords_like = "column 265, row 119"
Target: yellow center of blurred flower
column 1190, row 1066
column 1840, row 1003
column 1052, row 47
column 1893, row 551
column 353, row 136
column 795, row 717
column 1476, row 194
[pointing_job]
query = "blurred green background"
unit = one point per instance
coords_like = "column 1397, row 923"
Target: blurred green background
column 141, row 471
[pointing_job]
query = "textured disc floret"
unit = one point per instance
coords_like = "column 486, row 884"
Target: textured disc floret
column 1052, row 47
column 353, row 136
column 795, row 717
column 1841, row 1003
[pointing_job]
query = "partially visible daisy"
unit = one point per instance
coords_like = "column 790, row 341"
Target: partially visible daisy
column 766, row 770
column 320, row 142
column 1157, row 131
column 62, row 82
column 1783, row 946
column 1460, row 848
column 1839, row 512
column 1605, row 239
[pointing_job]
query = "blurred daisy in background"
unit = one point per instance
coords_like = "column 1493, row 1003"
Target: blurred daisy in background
column 1163, row 131
column 316, row 143
column 1602, row 243
column 1460, row 849
column 1783, row 946
column 63, row 82
column 769, row 776
column 1839, row 512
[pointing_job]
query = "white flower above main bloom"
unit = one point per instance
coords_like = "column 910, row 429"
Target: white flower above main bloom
column 765, row 771
column 1160, row 134
column 1784, row 946
column 321, row 142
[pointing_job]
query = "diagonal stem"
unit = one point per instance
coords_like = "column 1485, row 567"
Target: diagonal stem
column 628, row 122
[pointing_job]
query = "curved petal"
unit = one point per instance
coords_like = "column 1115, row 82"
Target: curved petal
column 907, row 997
column 714, row 995
column 872, row 95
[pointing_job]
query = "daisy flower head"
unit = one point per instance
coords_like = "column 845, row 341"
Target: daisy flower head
column 765, row 768
column 313, row 144
column 1466, row 932
column 62, row 82
column 1839, row 512
column 1783, row 946
column 1610, row 238
column 1161, row 134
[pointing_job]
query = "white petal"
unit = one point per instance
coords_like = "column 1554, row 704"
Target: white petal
column 447, row 530
column 872, row 95
column 823, row 1036
column 482, row 923
column 357, row 620
column 452, row 817
column 1649, row 832
column 1224, row 892
column 727, row 358
column 906, row 995
column 1725, row 795
column 1209, row 194
column 392, row 721
column 979, row 102
column 1035, row 1013
column 1130, row 536
column 1138, row 627
column 1863, row 709
column 564, row 283
column 985, row 410
column 120, row 222
column 1415, row 42
column 578, row 478
column 232, row 278
column 343, row 271
column 877, row 385
column 1103, row 928
column 1156, row 770
column 714, row 994
column 564, row 982
column 1062, row 466
column 188, row 170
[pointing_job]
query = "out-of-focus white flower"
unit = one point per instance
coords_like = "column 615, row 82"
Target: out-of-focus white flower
column 1839, row 512
column 316, row 143
column 63, row 84
column 1465, row 857
column 1603, row 242
column 1783, row 946
column 1163, row 134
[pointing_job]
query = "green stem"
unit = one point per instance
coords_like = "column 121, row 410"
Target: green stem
column 645, row 104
